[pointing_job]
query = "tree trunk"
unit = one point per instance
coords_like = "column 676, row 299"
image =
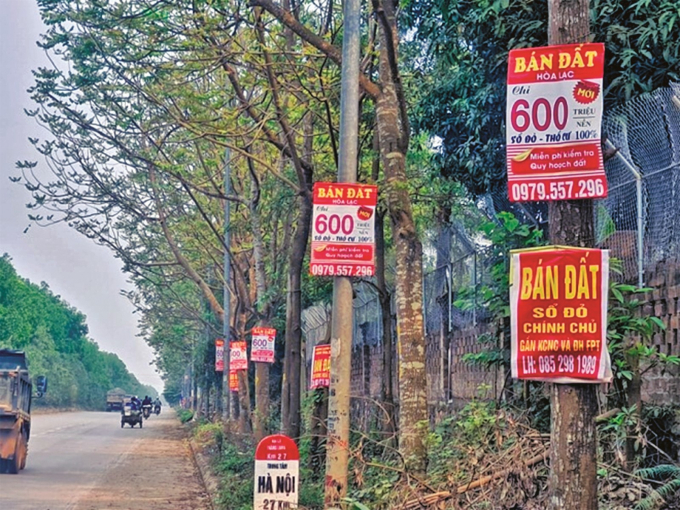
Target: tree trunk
column 386, row 390
column 244, row 403
column 573, row 435
column 393, row 132
column 261, row 401
column 258, row 284
column 290, row 411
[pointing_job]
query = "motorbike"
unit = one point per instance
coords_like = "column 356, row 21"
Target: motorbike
column 157, row 409
column 146, row 411
column 130, row 416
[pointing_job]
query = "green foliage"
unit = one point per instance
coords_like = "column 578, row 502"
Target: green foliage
column 236, row 469
column 54, row 336
column 208, row 435
column 504, row 234
column 619, row 427
column 185, row 415
column 669, row 475
column 461, row 66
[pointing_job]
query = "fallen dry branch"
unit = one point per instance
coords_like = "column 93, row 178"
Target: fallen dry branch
column 437, row 497
column 434, row 498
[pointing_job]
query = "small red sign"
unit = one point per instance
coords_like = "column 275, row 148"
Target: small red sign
column 321, row 367
column 219, row 355
column 239, row 356
column 343, row 229
column 277, row 447
column 262, row 345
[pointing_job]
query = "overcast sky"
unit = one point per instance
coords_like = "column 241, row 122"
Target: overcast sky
column 84, row 274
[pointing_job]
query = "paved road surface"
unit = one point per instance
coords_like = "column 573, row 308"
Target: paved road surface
column 85, row 461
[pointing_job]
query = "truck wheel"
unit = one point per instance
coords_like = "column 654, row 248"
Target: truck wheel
column 19, row 453
column 25, row 456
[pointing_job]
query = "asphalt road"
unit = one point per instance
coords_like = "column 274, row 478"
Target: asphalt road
column 85, row 460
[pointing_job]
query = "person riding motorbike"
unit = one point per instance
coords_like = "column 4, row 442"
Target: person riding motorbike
column 135, row 403
column 157, row 406
column 146, row 406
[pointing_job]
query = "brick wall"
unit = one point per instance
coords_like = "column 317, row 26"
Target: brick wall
column 662, row 386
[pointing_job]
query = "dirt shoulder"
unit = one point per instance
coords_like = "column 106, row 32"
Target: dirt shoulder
column 160, row 474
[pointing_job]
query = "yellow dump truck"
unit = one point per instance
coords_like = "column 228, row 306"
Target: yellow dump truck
column 115, row 399
column 15, row 409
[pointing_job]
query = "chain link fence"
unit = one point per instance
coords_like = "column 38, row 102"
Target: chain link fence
column 640, row 219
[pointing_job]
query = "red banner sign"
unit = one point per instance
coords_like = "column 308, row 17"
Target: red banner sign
column 553, row 123
column 233, row 380
column 219, row 355
column 262, row 345
column 321, row 367
column 239, row 356
column 558, row 302
column 343, row 229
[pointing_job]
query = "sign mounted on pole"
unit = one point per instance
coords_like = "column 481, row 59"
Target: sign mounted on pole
column 553, row 123
column 233, row 380
column 321, row 367
column 343, row 229
column 219, row 355
column 262, row 345
column 277, row 466
column 239, row 356
column 558, row 315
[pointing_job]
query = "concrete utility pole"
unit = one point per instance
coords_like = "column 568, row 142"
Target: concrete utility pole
column 337, row 459
column 573, row 435
column 226, row 392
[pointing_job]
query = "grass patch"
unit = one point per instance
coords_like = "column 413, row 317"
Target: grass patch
column 185, row 415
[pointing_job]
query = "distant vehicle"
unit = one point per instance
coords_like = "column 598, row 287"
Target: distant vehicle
column 15, row 409
column 130, row 415
column 115, row 399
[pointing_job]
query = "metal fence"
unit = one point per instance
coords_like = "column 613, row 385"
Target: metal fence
column 640, row 219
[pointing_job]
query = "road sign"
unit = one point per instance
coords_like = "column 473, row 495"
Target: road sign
column 277, row 466
column 553, row 123
column 343, row 229
column 558, row 314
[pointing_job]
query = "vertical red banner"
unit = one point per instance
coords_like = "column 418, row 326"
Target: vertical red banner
column 233, row 380
column 219, row 355
column 321, row 367
column 558, row 303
